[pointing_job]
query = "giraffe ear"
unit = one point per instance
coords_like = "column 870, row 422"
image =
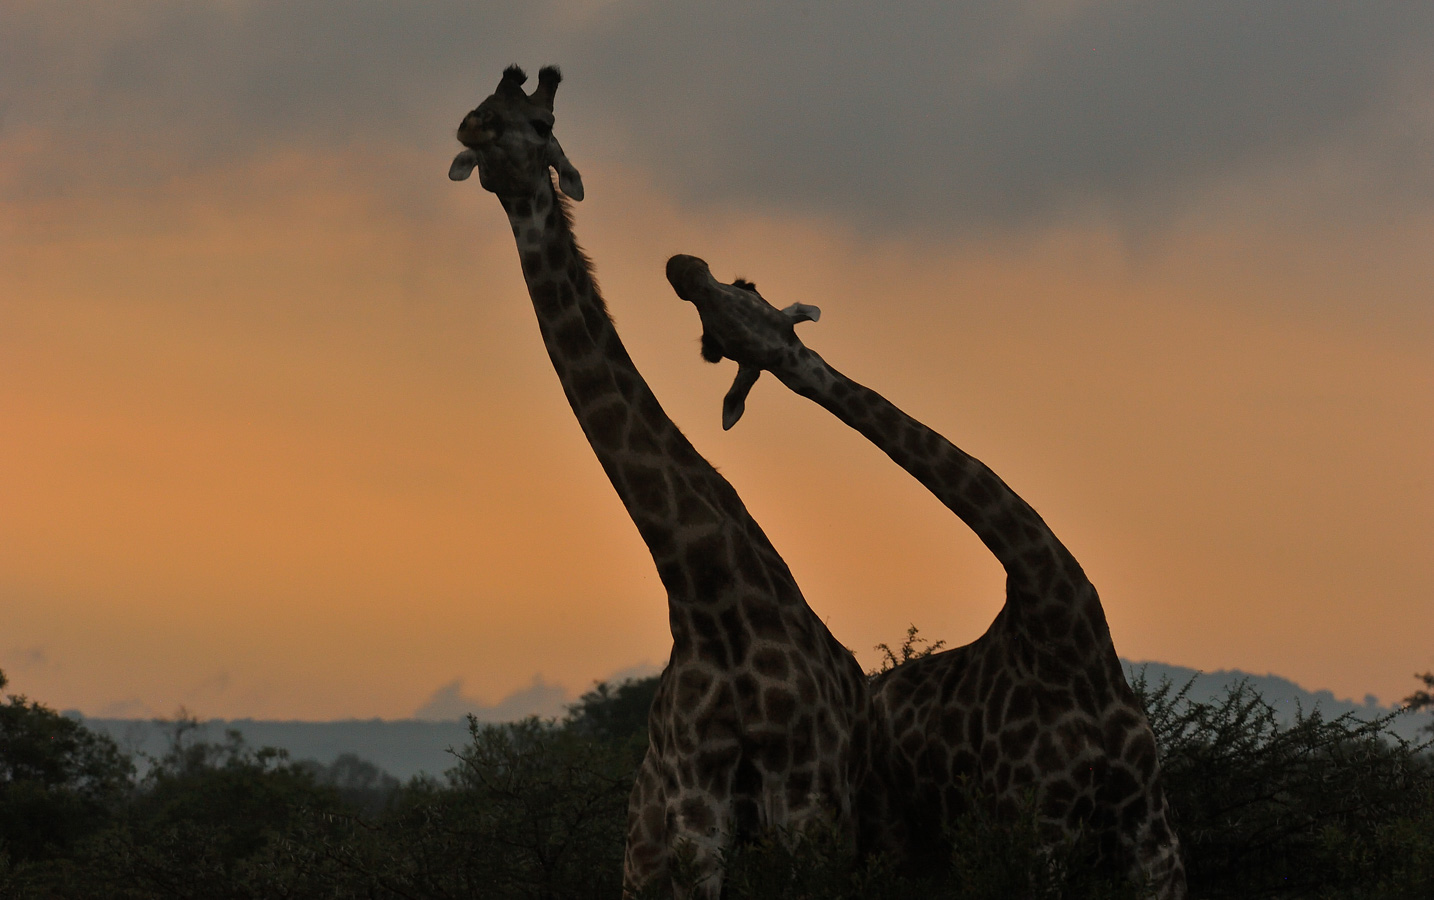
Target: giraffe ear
column 735, row 403
column 802, row 312
column 569, row 181
column 463, row 165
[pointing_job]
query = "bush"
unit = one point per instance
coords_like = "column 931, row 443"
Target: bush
column 1320, row 807
column 609, row 713
column 1328, row 809
column 207, row 820
column 534, row 810
column 820, row 862
column 59, row 782
column 360, row 785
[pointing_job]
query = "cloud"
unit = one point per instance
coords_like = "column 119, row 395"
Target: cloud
column 26, row 658
column 954, row 114
column 633, row 673
column 539, row 698
column 211, row 689
column 973, row 112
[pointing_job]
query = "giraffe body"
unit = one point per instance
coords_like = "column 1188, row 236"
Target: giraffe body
column 761, row 716
column 1038, row 706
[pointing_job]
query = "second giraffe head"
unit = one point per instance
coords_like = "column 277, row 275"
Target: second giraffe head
column 737, row 324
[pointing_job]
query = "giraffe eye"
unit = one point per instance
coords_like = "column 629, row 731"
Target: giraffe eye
column 543, row 129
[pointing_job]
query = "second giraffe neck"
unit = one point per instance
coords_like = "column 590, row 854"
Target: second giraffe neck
column 1034, row 559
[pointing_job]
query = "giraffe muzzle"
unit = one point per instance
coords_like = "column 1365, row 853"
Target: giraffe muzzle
column 688, row 276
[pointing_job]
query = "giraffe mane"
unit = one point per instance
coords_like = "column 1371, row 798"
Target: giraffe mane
column 565, row 224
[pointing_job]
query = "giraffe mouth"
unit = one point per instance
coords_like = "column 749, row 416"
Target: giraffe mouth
column 473, row 132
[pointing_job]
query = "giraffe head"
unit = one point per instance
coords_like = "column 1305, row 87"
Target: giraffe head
column 737, row 324
column 509, row 139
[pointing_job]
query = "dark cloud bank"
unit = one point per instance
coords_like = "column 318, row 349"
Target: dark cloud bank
column 950, row 113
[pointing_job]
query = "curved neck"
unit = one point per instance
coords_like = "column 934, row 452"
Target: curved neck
column 1045, row 584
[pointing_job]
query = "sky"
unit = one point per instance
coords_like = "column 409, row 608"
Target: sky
column 279, row 439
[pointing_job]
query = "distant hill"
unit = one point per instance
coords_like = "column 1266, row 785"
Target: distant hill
column 403, row 747
column 1284, row 695
column 407, row 747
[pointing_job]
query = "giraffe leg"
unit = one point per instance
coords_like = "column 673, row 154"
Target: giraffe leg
column 646, row 859
column 1156, row 854
column 1147, row 839
column 699, row 835
column 675, row 841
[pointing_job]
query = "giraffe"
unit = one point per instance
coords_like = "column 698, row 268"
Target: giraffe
column 761, row 718
column 1038, row 705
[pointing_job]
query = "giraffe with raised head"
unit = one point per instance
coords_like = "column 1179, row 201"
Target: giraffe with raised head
column 761, row 717
column 1037, row 706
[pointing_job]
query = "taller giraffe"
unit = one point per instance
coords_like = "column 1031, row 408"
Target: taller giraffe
column 761, row 717
column 1039, row 703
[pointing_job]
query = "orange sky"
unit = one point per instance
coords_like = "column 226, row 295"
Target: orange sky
column 272, row 450
column 278, row 437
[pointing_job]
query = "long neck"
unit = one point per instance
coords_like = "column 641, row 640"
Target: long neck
column 688, row 515
column 1045, row 584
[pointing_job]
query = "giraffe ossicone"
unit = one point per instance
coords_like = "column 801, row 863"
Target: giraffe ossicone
column 761, row 717
column 1037, row 706
column 490, row 126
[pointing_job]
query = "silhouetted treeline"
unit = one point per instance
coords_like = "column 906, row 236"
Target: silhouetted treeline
column 1334, row 808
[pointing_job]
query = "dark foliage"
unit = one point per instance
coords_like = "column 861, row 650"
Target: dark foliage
column 360, row 784
column 1299, row 810
column 1422, row 699
column 990, row 860
column 1319, row 808
column 207, row 820
column 913, row 646
column 615, row 713
column 59, row 782
column 533, row 810
column 820, row 862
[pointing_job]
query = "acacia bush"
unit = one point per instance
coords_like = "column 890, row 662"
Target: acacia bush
column 1314, row 808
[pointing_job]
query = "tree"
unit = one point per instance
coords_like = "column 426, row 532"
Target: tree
column 59, row 781
column 1422, row 699
column 615, row 713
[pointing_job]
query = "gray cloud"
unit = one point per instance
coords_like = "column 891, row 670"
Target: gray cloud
column 974, row 111
column 26, row 658
column 135, row 95
column 955, row 113
column 537, row 699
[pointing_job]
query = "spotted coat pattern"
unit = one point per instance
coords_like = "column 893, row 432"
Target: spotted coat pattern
column 1036, row 707
column 761, row 717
